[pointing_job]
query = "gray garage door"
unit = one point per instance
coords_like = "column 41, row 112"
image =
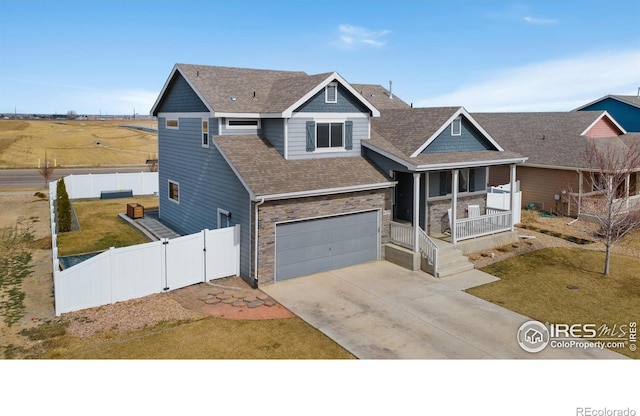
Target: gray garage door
column 314, row 246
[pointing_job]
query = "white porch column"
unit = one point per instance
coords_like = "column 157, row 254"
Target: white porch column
column 416, row 211
column 627, row 184
column 454, row 204
column 512, row 199
column 426, row 202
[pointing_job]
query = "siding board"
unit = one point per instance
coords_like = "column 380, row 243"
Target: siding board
column 206, row 184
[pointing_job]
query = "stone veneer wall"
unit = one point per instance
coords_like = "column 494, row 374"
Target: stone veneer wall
column 439, row 217
column 272, row 212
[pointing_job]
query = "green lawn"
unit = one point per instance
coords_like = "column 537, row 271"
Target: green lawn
column 536, row 285
column 100, row 226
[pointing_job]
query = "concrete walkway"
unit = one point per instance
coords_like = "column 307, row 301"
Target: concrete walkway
column 151, row 226
column 380, row 310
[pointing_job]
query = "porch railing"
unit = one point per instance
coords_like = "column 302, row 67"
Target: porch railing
column 494, row 221
column 402, row 235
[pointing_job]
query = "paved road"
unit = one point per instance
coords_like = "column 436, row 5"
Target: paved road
column 31, row 178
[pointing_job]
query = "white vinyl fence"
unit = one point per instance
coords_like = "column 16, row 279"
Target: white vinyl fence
column 125, row 273
column 499, row 197
column 132, row 272
column 90, row 186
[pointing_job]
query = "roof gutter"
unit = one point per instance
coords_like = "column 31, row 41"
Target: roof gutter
column 475, row 163
column 328, row 191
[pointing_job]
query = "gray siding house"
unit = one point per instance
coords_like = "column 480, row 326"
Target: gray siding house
column 279, row 153
column 319, row 173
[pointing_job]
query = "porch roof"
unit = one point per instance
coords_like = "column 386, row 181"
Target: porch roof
column 440, row 161
column 267, row 174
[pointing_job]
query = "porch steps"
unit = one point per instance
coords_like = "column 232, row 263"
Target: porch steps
column 451, row 261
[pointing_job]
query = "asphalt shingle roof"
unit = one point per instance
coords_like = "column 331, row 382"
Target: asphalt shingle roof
column 266, row 172
column 218, row 84
column 378, row 96
column 407, row 130
column 550, row 138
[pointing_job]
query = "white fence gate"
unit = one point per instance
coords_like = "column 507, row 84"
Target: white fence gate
column 125, row 273
column 499, row 197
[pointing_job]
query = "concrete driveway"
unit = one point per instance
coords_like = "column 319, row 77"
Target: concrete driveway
column 380, row 310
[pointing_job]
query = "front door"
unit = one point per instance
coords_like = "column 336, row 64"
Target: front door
column 404, row 196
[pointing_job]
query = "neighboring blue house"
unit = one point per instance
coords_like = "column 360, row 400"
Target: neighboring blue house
column 625, row 109
column 308, row 166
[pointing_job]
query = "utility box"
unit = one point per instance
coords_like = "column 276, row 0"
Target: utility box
column 135, row 211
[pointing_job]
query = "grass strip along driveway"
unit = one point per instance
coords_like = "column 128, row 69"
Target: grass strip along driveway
column 563, row 285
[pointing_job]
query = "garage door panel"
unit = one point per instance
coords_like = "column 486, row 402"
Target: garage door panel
column 323, row 244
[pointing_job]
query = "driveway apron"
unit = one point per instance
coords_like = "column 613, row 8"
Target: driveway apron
column 379, row 310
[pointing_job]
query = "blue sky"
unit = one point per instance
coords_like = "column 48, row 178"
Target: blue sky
column 112, row 57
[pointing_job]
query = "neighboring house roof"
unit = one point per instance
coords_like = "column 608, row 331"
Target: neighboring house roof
column 266, row 174
column 230, row 91
column 551, row 139
column 402, row 134
column 379, row 96
column 633, row 100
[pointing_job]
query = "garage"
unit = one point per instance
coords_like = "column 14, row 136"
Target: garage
column 317, row 245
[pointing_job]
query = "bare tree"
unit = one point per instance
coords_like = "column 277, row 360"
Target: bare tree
column 607, row 201
column 152, row 163
column 46, row 170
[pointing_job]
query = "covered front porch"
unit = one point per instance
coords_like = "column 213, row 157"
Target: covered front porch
column 452, row 211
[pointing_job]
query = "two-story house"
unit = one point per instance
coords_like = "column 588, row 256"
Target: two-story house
column 308, row 166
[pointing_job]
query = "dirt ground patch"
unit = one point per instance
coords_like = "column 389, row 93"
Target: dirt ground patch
column 23, row 209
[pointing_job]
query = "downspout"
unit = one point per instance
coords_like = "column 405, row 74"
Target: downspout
column 255, row 243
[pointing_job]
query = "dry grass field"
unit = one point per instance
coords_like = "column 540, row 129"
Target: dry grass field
column 23, row 143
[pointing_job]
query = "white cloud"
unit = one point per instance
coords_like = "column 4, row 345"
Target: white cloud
column 558, row 85
column 539, row 21
column 353, row 36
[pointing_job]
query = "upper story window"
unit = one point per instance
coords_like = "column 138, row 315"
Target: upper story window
column 331, row 93
column 171, row 123
column 243, row 123
column 329, row 135
column 456, row 127
column 205, row 133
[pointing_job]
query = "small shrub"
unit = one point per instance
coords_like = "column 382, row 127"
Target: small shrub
column 64, row 207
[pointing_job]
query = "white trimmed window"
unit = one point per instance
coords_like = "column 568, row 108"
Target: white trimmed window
column 331, row 93
column 243, row 123
column 174, row 191
column 456, row 127
column 171, row 123
column 329, row 136
column 205, row 133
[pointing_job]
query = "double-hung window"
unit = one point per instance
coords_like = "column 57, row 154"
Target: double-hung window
column 205, row 133
column 329, row 135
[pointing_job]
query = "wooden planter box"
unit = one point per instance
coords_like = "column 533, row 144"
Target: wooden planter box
column 135, row 211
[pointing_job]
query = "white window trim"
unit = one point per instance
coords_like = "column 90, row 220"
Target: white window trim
column 167, row 126
column 326, row 93
column 256, row 127
column 331, row 149
column 458, row 121
column 207, row 133
column 169, row 191
column 220, row 212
